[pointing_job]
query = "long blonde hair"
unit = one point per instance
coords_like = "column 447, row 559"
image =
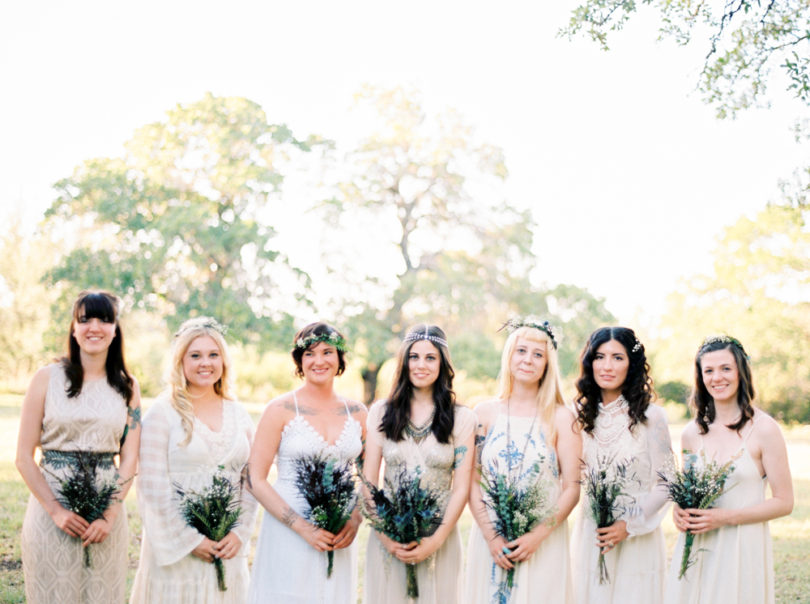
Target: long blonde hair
column 549, row 395
column 179, row 396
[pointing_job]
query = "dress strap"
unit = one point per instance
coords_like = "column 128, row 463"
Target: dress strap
column 295, row 400
column 753, row 422
column 345, row 404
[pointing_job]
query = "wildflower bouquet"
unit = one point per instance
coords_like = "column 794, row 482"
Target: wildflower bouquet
column 405, row 511
column 328, row 487
column 80, row 492
column 697, row 486
column 518, row 506
column 213, row 512
column 606, row 488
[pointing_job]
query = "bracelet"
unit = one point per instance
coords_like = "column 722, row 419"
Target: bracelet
column 289, row 517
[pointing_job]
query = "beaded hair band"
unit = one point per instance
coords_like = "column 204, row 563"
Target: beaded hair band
column 332, row 338
column 636, row 346
column 415, row 336
column 723, row 339
column 545, row 327
column 202, row 323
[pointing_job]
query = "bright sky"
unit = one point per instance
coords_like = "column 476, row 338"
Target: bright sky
column 629, row 175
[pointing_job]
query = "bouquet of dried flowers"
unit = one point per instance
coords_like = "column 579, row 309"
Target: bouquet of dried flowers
column 518, row 507
column 697, row 486
column 606, row 486
column 213, row 512
column 405, row 511
column 328, row 486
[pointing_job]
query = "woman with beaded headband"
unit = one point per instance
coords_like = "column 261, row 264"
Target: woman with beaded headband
column 193, row 431
column 419, row 428
column 81, row 412
column 313, row 420
column 620, row 425
column 735, row 563
column 525, row 436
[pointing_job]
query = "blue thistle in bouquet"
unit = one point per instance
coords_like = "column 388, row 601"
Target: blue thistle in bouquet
column 697, row 486
column 328, row 486
column 518, row 503
column 81, row 491
column 606, row 486
column 213, row 511
column 405, row 511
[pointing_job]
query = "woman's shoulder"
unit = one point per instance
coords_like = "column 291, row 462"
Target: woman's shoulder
column 766, row 425
column 463, row 413
column 161, row 407
column 655, row 413
column 487, row 409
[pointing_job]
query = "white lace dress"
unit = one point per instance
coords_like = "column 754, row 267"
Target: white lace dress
column 637, row 565
column 53, row 562
column 546, row 576
column 286, row 568
column 167, row 571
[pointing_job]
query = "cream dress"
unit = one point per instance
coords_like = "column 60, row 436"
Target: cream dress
column 287, row 569
column 168, row 572
column 636, row 566
column 438, row 577
column 735, row 563
column 546, row 576
column 53, row 562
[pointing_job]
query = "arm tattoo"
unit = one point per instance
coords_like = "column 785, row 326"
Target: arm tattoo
column 458, row 456
column 289, row 517
column 480, row 439
column 133, row 422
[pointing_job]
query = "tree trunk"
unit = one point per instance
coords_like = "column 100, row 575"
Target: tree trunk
column 370, row 374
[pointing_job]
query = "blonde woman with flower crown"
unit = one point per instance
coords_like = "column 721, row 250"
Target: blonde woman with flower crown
column 525, row 435
column 193, row 431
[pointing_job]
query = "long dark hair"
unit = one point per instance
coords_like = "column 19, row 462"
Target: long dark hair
column 638, row 385
column 703, row 403
column 97, row 305
column 398, row 411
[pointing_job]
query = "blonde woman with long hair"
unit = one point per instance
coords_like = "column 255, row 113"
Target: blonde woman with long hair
column 193, row 431
column 525, row 435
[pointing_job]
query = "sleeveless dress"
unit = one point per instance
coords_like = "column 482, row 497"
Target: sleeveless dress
column 735, row 563
column 438, row 577
column 167, row 571
column 286, row 568
column 53, row 562
column 546, row 576
column 637, row 565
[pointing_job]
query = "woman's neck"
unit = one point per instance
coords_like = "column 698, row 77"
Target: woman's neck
column 94, row 366
column 727, row 412
column 318, row 394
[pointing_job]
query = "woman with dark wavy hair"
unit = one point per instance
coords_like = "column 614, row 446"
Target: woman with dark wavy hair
column 81, row 412
column 620, row 424
column 420, row 428
column 735, row 562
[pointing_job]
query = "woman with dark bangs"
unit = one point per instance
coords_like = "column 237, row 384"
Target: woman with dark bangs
column 290, row 565
column 420, row 428
column 735, row 563
column 619, row 423
column 81, row 413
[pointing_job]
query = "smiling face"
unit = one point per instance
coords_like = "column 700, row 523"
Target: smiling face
column 319, row 363
column 93, row 334
column 528, row 361
column 610, row 365
column 424, row 364
column 202, row 364
column 720, row 375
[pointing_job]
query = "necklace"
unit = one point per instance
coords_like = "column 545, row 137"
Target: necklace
column 419, row 433
column 509, row 437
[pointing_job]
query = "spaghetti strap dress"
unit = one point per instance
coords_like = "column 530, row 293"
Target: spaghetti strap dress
column 286, row 568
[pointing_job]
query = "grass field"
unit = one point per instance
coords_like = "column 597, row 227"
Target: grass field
column 791, row 535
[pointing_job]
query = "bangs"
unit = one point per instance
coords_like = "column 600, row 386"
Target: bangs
column 97, row 306
column 533, row 335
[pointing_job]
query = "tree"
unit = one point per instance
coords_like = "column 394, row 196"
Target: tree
column 182, row 224
column 745, row 41
column 424, row 194
column 759, row 292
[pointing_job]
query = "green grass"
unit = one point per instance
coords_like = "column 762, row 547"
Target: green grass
column 791, row 535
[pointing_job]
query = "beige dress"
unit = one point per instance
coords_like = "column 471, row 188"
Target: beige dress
column 438, row 577
column 53, row 562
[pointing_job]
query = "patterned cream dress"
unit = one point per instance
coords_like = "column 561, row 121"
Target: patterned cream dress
column 53, row 562
column 440, row 576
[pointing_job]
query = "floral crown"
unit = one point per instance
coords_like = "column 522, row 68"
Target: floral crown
column 723, row 339
column 332, row 338
column 204, row 323
column 545, row 327
column 416, row 335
